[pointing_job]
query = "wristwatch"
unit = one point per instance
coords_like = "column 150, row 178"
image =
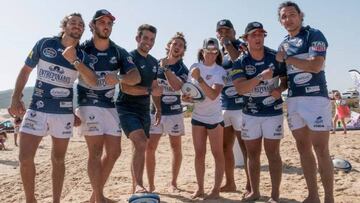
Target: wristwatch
column 260, row 77
column 76, row 62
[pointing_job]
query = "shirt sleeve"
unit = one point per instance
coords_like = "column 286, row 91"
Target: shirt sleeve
column 183, row 73
column 125, row 61
column 237, row 70
column 34, row 56
column 317, row 44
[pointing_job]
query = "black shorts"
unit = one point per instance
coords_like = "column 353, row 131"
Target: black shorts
column 131, row 121
column 207, row 126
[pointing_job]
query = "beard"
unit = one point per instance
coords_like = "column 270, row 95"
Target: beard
column 102, row 35
column 76, row 36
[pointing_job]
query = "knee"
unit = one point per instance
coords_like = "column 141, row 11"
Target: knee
column 26, row 159
column 150, row 148
column 114, row 154
column 200, row 154
column 140, row 145
column 321, row 150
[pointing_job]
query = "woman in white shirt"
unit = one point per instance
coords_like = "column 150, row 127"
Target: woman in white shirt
column 207, row 120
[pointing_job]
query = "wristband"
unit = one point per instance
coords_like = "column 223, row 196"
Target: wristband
column 76, row 62
column 260, row 77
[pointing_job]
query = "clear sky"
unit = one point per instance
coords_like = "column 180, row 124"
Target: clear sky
column 24, row 22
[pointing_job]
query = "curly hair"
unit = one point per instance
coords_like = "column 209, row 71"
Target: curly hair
column 178, row 35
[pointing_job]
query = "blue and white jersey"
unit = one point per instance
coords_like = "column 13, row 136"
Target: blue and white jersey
column 230, row 99
column 308, row 43
column 148, row 68
column 259, row 101
column 53, row 92
column 109, row 61
column 170, row 99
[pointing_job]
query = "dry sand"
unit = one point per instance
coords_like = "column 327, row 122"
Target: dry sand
column 77, row 187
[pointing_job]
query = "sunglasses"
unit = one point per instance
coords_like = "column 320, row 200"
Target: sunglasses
column 211, row 51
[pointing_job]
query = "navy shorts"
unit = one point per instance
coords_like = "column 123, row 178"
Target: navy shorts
column 207, row 126
column 131, row 121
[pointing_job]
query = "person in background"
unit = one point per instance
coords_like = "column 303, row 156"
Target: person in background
column 342, row 111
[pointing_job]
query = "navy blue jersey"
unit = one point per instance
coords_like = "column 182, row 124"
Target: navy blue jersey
column 308, row 43
column 170, row 99
column 53, row 92
column 148, row 67
column 110, row 61
column 230, row 99
column 259, row 101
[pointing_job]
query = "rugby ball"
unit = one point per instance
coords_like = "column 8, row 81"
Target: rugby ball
column 144, row 198
column 194, row 91
column 342, row 164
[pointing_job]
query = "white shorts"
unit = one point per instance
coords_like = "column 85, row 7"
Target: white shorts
column 233, row 118
column 254, row 127
column 98, row 121
column 172, row 125
column 41, row 124
column 315, row 112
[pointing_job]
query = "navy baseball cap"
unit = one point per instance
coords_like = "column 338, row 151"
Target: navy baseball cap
column 211, row 43
column 225, row 23
column 252, row 27
column 101, row 13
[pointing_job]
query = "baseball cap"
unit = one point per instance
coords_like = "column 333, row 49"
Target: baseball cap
column 225, row 23
column 101, row 13
column 211, row 43
column 252, row 27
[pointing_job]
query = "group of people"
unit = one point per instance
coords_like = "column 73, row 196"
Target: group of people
column 242, row 82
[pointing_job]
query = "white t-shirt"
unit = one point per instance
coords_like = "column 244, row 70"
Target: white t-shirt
column 208, row 111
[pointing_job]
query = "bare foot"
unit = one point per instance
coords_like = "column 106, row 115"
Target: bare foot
column 198, row 193
column 151, row 188
column 251, row 197
column 271, row 200
column 246, row 193
column 228, row 188
column 214, row 194
column 344, row 132
column 312, row 200
column 103, row 199
column 140, row 189
column 173, row 189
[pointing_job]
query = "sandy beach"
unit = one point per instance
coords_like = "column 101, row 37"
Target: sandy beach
column 77, row 186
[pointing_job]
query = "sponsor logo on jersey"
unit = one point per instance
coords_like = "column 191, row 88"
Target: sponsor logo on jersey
column 59, row 92
column 208, row 77
column 101, row 54
column 268, row 101
column 302, row 78
column 318, row 46
column 49, row 52
column 259, row 63
column 33, row 114
column 55, row 73
column 169, row 99
column 64, row 104
column 129, row 59
column 312, row 89
column 110, row 93
column 39, row 104
column 154, row 69
column 93, row 59
column 299, row 43
column 113, row 60
column 250, row 70
column 231, row 91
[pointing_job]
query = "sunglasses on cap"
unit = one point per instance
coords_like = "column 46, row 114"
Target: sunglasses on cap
column 211, row 51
